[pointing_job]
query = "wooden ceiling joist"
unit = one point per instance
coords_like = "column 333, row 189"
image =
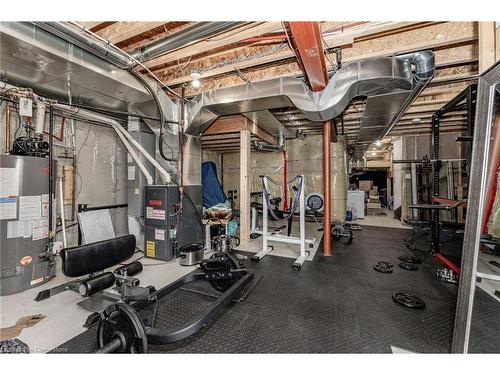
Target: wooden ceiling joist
column 121, row 31
column 229, row 126
column 225, row 39
column 288, row 55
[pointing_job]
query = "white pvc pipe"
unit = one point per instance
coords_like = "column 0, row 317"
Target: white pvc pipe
column 136, row 158
column 166, row 176
column 121, row 134
column 61, row 208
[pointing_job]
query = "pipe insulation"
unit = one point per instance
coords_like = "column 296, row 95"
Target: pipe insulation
column 40, row 117
column 338, row 173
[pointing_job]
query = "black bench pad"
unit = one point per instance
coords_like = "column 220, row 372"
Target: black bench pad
column 83, row 260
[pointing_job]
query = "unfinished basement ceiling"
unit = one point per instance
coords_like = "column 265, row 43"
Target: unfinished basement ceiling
column 256, row 51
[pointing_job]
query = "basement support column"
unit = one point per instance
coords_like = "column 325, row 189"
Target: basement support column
column 307, row 42
column 245, row 186
column 327, row 234
column 486, row 45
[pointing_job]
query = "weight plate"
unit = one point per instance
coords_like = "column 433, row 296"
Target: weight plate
column 349, row 237
column 383, row 262
column 121, row 321
column 410, row 259
column 383, row 267
column 408, row 299
column 408, row 266
column 227, row 262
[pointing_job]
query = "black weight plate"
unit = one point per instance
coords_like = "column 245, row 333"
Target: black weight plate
column 410, row 259
column 408, row 299
column 408, row 266
column 227, row 262
column 384, row 268
column 122, row 321
column 385, row 263
column 349, row 237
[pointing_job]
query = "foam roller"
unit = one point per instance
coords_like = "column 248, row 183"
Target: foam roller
column 132, row 269
column 96, row 284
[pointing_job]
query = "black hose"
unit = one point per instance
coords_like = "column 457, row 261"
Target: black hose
column 162, row 116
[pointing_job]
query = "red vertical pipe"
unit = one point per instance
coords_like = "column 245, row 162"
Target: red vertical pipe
column 327, row 234
column 285, row 178
column 307, row 42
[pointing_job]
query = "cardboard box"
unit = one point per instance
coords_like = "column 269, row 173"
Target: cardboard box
column 370, row 205
column 374, row 190
column 365, row 185
column 374, row 211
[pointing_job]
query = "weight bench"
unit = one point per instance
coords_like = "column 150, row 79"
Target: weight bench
column 91, row 260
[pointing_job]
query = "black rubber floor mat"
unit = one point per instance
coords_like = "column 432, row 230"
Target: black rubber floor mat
column 485, row 324
column 333, row 304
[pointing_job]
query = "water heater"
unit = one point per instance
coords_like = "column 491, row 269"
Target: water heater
column 24, row 223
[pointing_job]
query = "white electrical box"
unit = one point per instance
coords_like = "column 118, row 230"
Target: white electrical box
column 25, row 107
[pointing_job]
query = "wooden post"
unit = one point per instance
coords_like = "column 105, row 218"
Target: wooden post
column 486, row 45
column 497, row 41
column 244, row 193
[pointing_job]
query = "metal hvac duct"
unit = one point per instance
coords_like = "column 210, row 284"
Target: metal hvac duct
column 361, row 78
column 382, row 112
column 392, row 80
column 186, row 36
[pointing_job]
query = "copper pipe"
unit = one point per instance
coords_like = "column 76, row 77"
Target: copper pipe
column 493, row 160
column 277, row 37
column 327, row 234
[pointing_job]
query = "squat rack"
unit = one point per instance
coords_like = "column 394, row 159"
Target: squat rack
column 464, row 100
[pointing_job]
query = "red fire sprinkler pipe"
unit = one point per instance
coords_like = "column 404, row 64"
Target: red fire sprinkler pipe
column 306, row 41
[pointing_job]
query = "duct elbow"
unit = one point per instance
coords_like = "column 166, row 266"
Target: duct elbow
column 424, row 62
column 425, row 65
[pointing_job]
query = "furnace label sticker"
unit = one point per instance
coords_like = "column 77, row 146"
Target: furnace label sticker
column 152, row 213
column 150, row 249
column 30, row 207
column 160, row 234
column 8, row 208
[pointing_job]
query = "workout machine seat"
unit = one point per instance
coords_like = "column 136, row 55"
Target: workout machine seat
column 94, row 257
column 91, row 260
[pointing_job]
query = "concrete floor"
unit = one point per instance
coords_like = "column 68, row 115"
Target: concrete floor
column 64, row 318
column 386, row 220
